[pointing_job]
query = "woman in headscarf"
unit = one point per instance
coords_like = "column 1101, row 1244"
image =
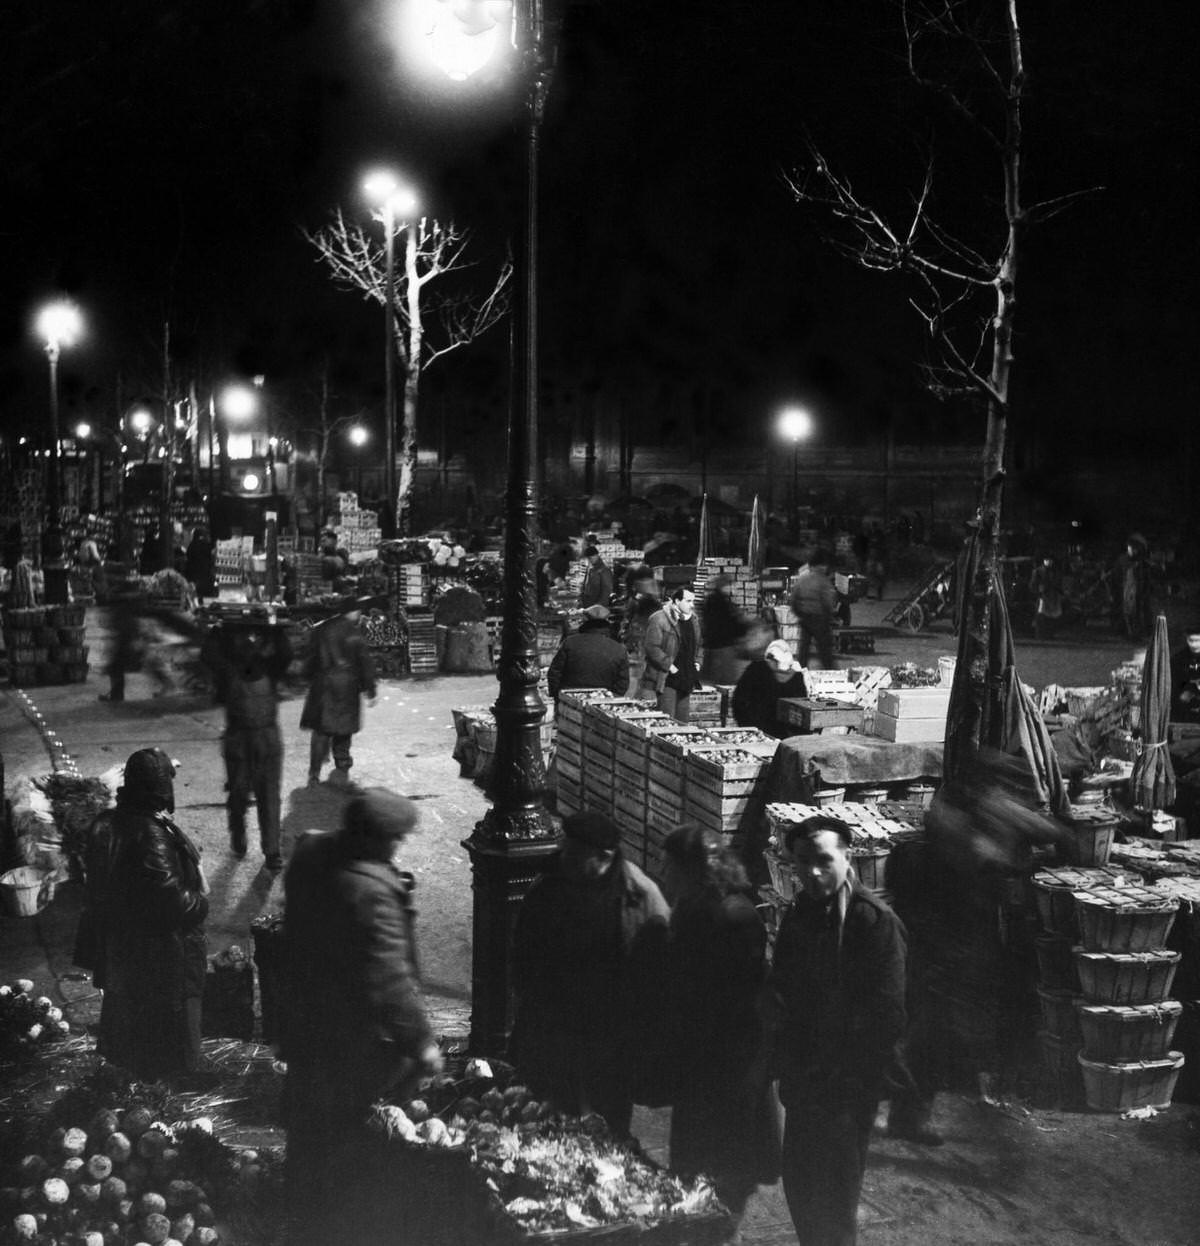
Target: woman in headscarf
column 144, row 922
column 724, row 1121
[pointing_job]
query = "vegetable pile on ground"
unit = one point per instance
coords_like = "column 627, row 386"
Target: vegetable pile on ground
column 76, row 801
column 548, row 1172
column 27, row 1022
column 910, row 675
column 91, row 1173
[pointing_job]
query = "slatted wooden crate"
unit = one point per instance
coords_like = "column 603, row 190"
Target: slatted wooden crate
column 706, row 706
column 601, row 719
column 570, row 796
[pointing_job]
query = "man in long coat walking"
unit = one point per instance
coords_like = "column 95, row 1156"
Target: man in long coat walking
column 342, row 672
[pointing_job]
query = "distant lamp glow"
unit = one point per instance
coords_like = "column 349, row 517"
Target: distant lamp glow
column 250, row 482
column 141, row 421
column 359, row 436
column 59, row 324
column 238, row 402
column 459, row 36
column 795, row 424
column 83, row 430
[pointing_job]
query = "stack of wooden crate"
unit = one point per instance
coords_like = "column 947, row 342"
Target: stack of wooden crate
column 422, row 644
column 630, row 778
column 912, row 714
column 412, row 584
column 724, row 786
column 599, row 750
column 569, row 745
column 706, row 706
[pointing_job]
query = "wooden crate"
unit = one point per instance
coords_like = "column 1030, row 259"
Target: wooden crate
column 914, row 702
column 630, row 778
column 855, row 640
column 708, row 770
column 817, row 713
column 568, row 769
column 601, row 719
column 910, row 730
column 570, row 796
column 729, row 809
column 570, row 749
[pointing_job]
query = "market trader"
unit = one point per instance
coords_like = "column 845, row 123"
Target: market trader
column 597, row 582
column 672, row 645
column 354, row 1025
column 837, row 991
column 756, row 696
column 590, row 658
column 248, row 660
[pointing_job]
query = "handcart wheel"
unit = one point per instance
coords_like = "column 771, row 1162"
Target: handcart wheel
column 914, row 617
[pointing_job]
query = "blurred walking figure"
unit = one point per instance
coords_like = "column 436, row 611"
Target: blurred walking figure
column 354, row 1026
column 597, row 582
column 138, row 643
column 199, row 565
column 342, row 672
column 641, row 604
column 723, row 631
column 248, row 661
column 838, row 985
column 142, row 933
column 1132, row 584
column 724, row 1120
column 814, row 603
column 1046, row 586
column 582, row 947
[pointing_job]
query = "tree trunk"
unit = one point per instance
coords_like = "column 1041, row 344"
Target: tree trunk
column 412, row 388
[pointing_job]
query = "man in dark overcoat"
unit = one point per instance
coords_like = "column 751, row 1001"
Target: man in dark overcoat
column 342, row 671
column 838, row 987
column 248, row 660
column 354, row 1026
column 590, row 658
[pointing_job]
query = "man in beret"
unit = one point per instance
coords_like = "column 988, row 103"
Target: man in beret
column 590, row 658
column 354, row 1027
column 582, row 949
column 837, row 990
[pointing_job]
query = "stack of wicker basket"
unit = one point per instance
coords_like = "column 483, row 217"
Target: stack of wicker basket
column 1058, row 978
column 1126, row 1019
column 46, row 644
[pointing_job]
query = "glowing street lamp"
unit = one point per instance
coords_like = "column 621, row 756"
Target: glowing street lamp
column 140, row 421
column 83, row 430
column 796, row 425
column 239, row 403
column 459, row 37
column 59, row 324
column 394, row 201
column 358, row 436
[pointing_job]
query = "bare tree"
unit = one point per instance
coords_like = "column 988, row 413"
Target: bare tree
column 324, row 433
column 432, row 250
column 967, row 54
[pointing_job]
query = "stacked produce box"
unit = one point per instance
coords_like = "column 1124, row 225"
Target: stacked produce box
column 422, row 644
column 413, row 585
column 706, row 706
column 906, row 715
column 46, row 644
column 231, row 559
column 1058, row 978
column 357, row 530
column 599, row 747
column 743, row 592
column 569, row 744
column 630, row 778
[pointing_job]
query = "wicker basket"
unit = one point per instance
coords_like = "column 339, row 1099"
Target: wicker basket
column 71, row 635
column 1123, row 1087
column 1117, row 1035
column 27, row 616
column 1060, row 1059
column 1053, row 892
column 22, row 675
column 45, row 637
column 30, row 657
column 66, row 616
column 1141, row 925
column 68, row 654
column 1126, row 977
column 1060, row 1015
column 870, row 864
column 19, row 637
column 1089, row 843
column 1057, row 970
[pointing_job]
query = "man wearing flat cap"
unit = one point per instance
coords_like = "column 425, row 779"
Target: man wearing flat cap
column 584, row 942
column 354, row 1026
column 837, row 991
column 590, row 657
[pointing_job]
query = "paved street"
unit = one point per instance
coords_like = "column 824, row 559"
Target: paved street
column 1007, row 1175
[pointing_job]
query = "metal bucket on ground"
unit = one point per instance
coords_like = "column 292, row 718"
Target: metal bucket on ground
column 26, row 890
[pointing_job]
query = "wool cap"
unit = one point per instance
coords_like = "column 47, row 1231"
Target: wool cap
column 379, row 814
column 597, row 612
column 148, row 781
column 597, row 830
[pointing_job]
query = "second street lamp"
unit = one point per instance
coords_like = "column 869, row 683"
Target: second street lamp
column 796, row 425
column 394, row 201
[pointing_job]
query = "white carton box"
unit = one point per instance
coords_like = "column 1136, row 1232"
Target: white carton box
column 914, row 702
column 910, row 730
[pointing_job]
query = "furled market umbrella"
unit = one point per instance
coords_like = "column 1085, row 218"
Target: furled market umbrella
column 755, row 551
column 989, row 707
column 703, row 551
column 1153, row 781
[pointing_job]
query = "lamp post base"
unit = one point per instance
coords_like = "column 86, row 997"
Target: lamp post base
column 502, row 873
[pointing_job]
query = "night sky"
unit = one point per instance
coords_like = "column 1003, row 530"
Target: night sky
column 160, row 158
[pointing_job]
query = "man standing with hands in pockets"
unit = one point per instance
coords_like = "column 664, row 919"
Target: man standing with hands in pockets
column 672, row 646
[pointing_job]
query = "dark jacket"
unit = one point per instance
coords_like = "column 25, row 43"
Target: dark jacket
column 842, row 1009
column 756, row 697
column 814, row 595
column 721, row 622
column 662, row 645
column 198, row 566
column 342, row 670
column 590, row 658
column 597, row 586
column 146, row 913
column 723, row 1118
column 354, row 1017
column 246, row 669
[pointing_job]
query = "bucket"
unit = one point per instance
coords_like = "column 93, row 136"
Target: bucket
column 946, row 665
column 922, row 792
column 829, row 796
column 26, row 890
column 870, row 795
column 1089, row 843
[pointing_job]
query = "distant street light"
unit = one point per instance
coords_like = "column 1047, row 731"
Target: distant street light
column 239, row 403
column 359, row 436
column 395, row 201
column 250, row 482
column 140, row 421
column 83, row 430
column 59, row 324
column 796, row 424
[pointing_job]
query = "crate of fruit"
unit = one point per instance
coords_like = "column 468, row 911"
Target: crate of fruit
column 718, row 767
column 1125, row 918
